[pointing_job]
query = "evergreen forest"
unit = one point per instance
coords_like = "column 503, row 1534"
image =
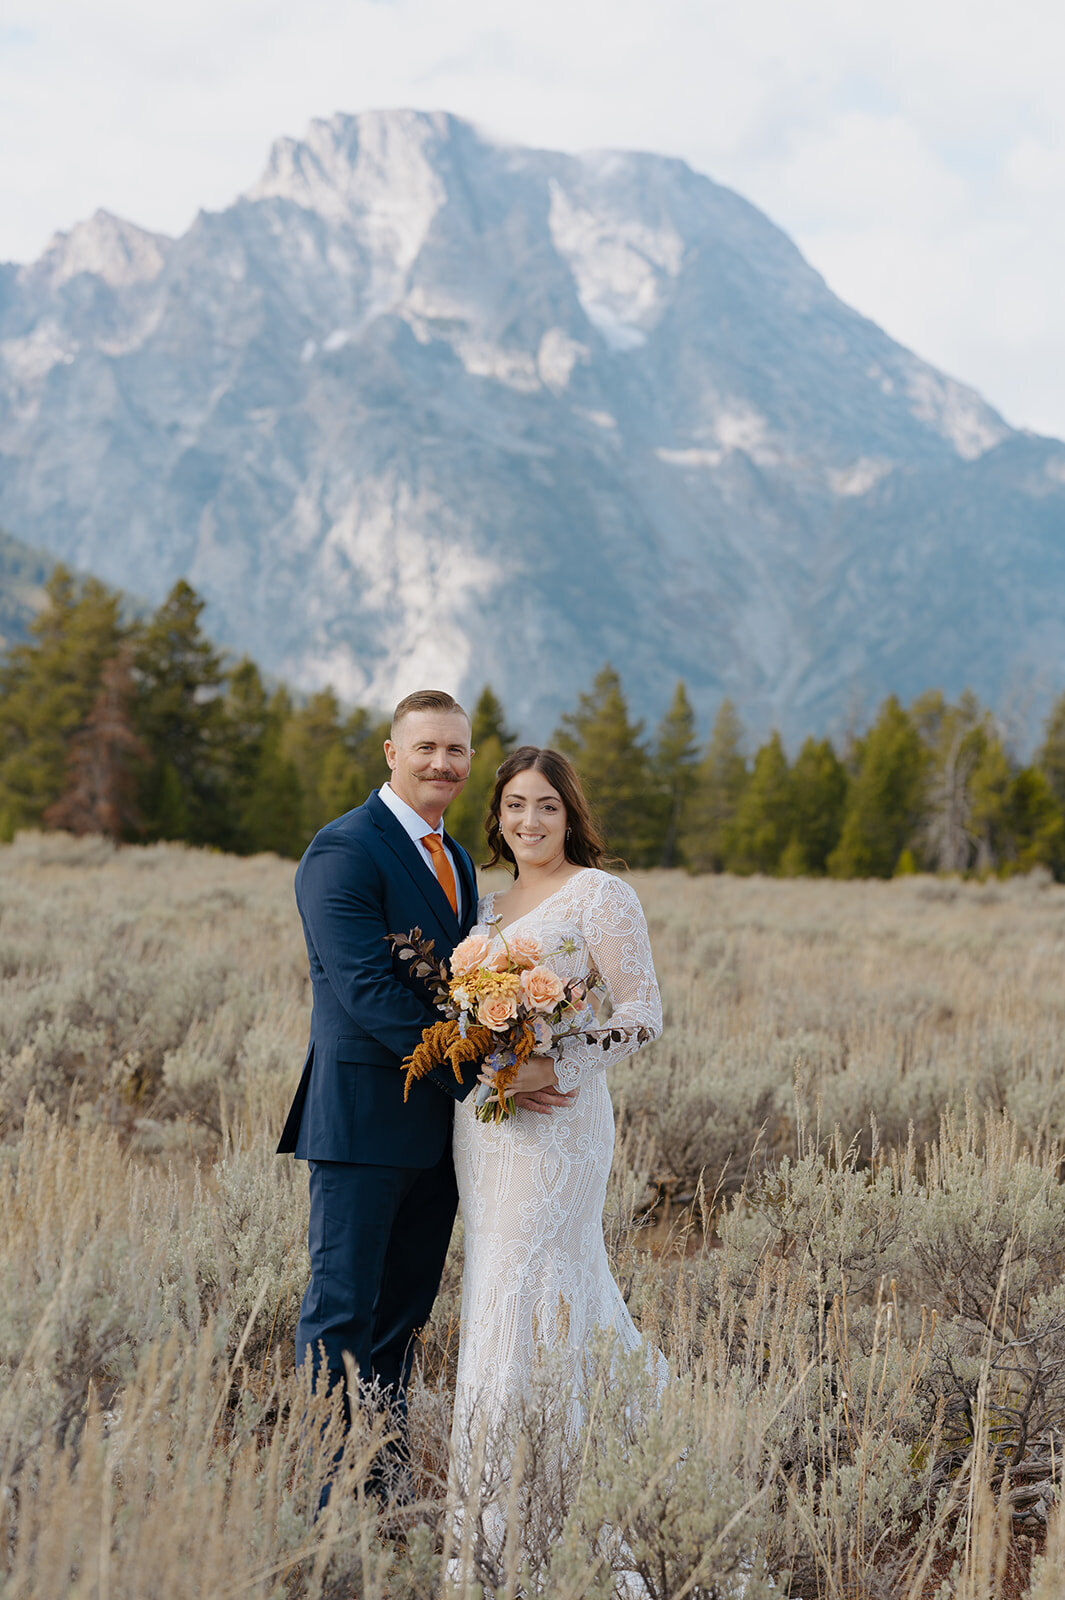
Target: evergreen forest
column 142, row 730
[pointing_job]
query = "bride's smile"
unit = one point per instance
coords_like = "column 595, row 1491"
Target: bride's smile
column 532, row 820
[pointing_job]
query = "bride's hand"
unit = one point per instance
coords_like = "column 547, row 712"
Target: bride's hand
column 533, row 1075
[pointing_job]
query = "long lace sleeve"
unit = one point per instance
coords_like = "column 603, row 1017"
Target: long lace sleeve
column 614, row 926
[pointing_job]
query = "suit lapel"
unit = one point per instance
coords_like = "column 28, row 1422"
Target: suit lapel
column 469, row 882
column 399, row 841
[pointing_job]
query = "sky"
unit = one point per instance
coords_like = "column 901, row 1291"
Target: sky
column 914, row 149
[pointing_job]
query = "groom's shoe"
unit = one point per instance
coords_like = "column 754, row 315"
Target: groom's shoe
column 391, row 1485
column 391, row 1477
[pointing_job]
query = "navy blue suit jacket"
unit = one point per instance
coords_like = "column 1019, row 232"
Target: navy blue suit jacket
column 362, row 877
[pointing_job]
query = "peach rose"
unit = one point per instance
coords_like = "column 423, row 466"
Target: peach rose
column 469, row 955
column 524, row 949
column 497, row 959
column 497, row 1011
column 543, row 988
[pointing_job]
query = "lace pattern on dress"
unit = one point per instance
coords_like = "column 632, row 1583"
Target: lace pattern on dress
column 532, row 1188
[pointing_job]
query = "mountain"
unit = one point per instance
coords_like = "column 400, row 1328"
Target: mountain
column 425, row 408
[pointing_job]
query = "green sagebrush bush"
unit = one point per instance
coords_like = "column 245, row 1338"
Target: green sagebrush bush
column 161, row 983
column 102, row 1258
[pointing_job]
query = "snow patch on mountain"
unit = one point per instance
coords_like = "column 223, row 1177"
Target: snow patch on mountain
column 34, row 355
column 954, row 411
column 557, row 356
column 742, row 428
column 618, row 263
column 691, row 457
column 859, row 477
column 515, row 368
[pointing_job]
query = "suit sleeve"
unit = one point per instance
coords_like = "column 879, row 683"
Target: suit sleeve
column 341, row 901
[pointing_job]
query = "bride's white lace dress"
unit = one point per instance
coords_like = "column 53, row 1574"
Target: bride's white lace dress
column 532, row 1188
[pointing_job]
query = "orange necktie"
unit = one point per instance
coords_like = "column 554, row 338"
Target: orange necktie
column 442, row 867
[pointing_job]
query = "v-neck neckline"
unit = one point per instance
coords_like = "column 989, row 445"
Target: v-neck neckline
column 547, row 899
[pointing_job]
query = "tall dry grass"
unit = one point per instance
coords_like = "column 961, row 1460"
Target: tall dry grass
column 850, row 1127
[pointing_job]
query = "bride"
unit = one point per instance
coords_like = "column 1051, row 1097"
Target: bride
column 532, row 1187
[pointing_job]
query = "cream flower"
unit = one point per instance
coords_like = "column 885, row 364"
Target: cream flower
column 543, row 988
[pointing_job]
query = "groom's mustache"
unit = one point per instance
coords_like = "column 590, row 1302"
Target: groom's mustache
column 444, row 775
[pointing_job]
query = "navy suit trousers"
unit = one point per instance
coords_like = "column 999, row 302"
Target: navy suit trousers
column 378, row 1237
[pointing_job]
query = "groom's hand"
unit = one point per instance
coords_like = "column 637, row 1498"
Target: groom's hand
column 545, row 1100
column 535, row 1087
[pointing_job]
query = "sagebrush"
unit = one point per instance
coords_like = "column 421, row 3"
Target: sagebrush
column 836, row 1205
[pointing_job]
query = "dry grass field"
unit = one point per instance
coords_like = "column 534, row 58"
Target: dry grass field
column 837, row 1205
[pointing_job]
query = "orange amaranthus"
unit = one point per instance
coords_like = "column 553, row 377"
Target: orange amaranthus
column 444, row 1045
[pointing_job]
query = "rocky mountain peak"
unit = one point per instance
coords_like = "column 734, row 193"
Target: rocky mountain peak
column 348, row 168
column 424, row 407
column 107, row 247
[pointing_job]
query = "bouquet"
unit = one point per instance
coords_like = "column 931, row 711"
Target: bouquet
column 502, row 1002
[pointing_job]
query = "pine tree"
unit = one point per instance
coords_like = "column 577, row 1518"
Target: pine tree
column 489, row 722
column 264, row 799
column 1051, row 757
column 884, row 799
column 818, row 800
column 342, row 767
column 363, row 735
column 614, row 767
column 246, row 717
column 170, row 812
column 929, row 713
column 310, row 733
column 720, row 780
column 180, row 716
column 763, row 818
column 990, row 784
column 675, row 760
column 47, row 689
column 1036, row 824
column 271, row 817
column 100, row 796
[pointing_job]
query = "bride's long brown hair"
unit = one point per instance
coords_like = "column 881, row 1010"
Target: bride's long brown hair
column 584, row 843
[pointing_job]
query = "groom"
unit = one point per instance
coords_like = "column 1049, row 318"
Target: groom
column 383, row 1193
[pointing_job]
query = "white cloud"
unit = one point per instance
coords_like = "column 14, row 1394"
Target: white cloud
column 916, row 152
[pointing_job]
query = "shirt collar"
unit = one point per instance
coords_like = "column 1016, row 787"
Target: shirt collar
column 409, row 819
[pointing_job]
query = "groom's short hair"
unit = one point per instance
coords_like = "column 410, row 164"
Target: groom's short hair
column 426, row 700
